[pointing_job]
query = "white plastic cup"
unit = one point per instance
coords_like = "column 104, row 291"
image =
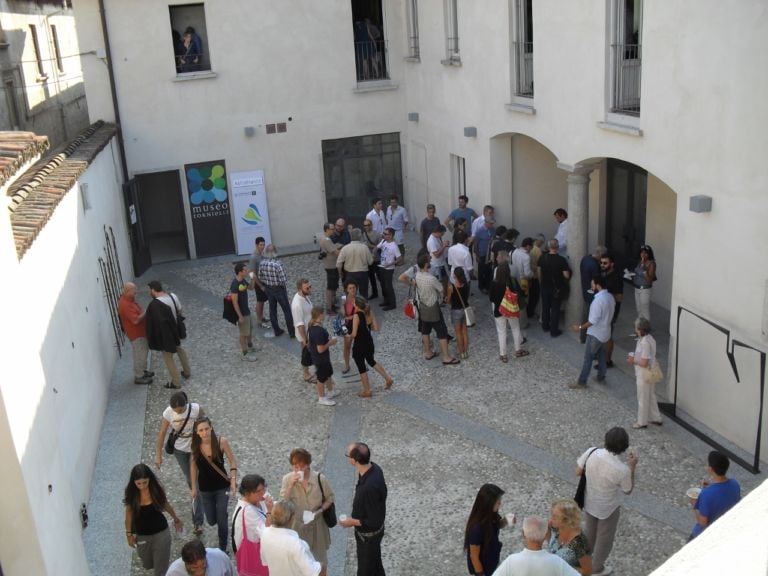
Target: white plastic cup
column 342, row 517
column 511, row 518
column 300, row 475
column 631, row 354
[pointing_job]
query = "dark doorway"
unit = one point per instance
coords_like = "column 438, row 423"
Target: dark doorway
column 358, row 170
column 161, row 216
column 626, row 203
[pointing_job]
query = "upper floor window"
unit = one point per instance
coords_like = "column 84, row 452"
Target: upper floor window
column 370, row 43
column 57, row 48
column 190, row 38
column 452, row 55
column 626, row 56
column 412, row 19
column 36, row 46
column 522, row 48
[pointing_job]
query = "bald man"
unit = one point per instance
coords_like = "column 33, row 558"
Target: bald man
column 132, row 320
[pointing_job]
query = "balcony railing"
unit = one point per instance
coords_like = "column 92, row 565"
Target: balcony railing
column 371, row 60
column 627, row 68
column 413, row 46
column 524, row 69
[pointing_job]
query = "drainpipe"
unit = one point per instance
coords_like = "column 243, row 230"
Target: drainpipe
column 113, row 89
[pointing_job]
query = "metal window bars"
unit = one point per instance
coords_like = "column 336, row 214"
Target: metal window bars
column 627, row 69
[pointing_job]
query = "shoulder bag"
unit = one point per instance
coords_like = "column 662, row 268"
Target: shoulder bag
column 329, row 514
column 411, row 308
column 655, row 374
column 508, row 307
column 179, row 319
column 248, row 555
column 173, row 435
column 469, row 312
column 582, row 487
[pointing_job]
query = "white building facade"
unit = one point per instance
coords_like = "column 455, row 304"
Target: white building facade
column 643, row 119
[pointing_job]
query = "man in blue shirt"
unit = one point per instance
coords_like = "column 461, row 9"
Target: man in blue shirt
column 721, row 495
column 484, row 256
column 463, row 211
column 598, row 328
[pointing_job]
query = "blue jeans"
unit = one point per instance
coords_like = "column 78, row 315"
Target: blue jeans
column 594, row 349
column 279, row 295
column 215, row 506
column 197, row 506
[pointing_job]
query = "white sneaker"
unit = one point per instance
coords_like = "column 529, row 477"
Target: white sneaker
column 606, row 571
column 250, row 357
column 332, row 394
column 323, row 401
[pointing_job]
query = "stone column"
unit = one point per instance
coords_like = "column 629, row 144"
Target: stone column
column 578, row 218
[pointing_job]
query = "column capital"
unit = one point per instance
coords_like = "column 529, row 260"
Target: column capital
column 582, row 169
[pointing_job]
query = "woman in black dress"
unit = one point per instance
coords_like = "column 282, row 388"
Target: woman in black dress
column 145, row 525
column 362, row 348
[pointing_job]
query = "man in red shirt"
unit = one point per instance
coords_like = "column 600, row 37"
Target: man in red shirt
column 132, row 320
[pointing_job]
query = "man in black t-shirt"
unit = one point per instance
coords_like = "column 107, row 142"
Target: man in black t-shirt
column 614, row 283
column 238, row 294
column 554, row 274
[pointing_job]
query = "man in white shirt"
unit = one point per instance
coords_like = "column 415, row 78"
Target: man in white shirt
column 301, row 310
column 520, row 261
column 598, row 328
column 438, row 252
column 562, row 231
column 608, row 481
column 377, row 216
column 479, row 222
column 282, row 551
column 533, row 560
column 397, row 219
column 390, row 257
column 197, row 560
column 459, row 255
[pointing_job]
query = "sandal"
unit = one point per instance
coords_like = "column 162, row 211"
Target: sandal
column 655, row 423
column 452, row 361
column 388, row 384
column 430, row 356
column 521, row 353
column 311, row 380
column 170, row 386
column 365, row 394
column 638, row 426
column 504, row 358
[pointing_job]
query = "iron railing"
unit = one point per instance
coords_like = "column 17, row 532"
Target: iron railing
column 627, row 68
column 413, row 46
column 371, row 60
column 524, row 69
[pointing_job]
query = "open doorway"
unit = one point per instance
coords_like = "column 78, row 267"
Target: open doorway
column 161, row 211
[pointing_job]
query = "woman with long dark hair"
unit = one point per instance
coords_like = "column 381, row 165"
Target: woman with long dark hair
column 481, row 536
column 362, row 351
column 210, row 478
column 643, row 279
column 145, row 525
column 458, row 296
column 503, row 279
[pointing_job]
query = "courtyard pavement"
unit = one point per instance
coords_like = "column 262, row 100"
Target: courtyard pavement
column 439, row 434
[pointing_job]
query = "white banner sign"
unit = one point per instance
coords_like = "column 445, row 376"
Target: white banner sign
column 249, row 209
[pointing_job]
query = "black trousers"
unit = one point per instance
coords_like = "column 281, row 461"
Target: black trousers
column 533, row 296
column 484, row 274
column 385, row 277
column 362, row 282
column 372, row 270
column 369, row 555
column 550, row 311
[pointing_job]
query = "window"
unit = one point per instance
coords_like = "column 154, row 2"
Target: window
column 56, row 48
column 11, row 103
column 412, row 18
column 452, row 56
column 458, row 176
column 370, row 43
column 626, row 56
column 36, row 45
column 190, row 38
column 522, row 48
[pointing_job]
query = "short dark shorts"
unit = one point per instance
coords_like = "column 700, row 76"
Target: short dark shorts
column 361, row 358
column 306, row 357
column 323, row 372
column 440, row 329
column 261, row 296
column 332, row 279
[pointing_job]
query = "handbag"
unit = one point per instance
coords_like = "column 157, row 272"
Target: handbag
column 508, row 307
column 329, row 514
column 411, row 308
column 656, row 375
column 469, row 312
column 248, row 555
column 581, row 489
column 173, row 435
column 229, row 313
column 179, row 320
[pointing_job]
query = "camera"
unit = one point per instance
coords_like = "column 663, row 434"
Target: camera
column 321, row 255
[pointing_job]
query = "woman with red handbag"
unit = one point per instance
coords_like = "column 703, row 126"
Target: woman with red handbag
column 252, row 514
column 507, row 297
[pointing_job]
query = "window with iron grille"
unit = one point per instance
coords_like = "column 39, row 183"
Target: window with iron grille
column 522, row 48
column 452, row 54
column 370, row 40
column 626, row 56
column 190, row 38
column 412, row 20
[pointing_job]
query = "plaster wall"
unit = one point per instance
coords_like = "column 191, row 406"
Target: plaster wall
column 55, row 410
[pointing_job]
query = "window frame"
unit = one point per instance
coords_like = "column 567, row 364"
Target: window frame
column 617, row 37
column 206, row 62
column 452, row 45
column 41, row 75
column 412, row 30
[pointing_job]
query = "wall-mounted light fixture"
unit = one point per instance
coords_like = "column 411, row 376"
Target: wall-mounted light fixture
column 413, row 116
column 470, row 131
column 700, row 203
column 249, row 131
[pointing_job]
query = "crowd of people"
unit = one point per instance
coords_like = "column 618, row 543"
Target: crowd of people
column 523, row 284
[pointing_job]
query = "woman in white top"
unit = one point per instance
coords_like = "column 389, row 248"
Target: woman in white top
column 643, row 359
column 180, row 416
column 252, row 514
